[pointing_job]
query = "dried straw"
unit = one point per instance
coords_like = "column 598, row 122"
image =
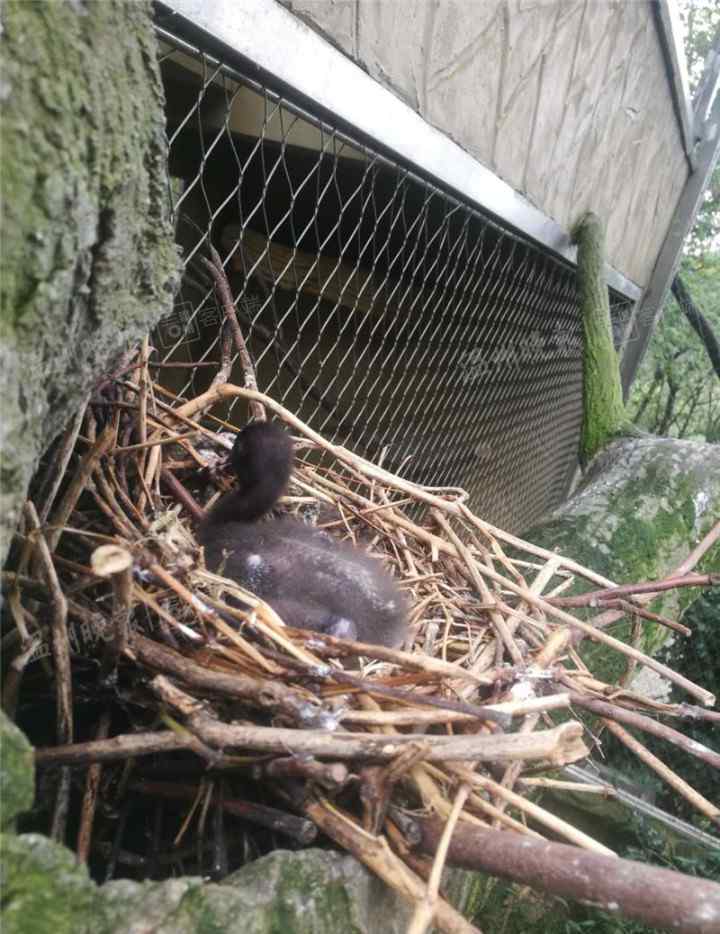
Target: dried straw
column 490, row 659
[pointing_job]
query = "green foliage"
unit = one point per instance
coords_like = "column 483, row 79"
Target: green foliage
column 696, row 658
column 698, row 662
column 676, row 392
column 701, row 19
column 707, row 223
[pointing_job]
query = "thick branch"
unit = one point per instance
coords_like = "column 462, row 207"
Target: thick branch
column 698, row 322
column 603, row 410
column 647, row 725
column 562, row 744
column 657, row 897
column 273, row 696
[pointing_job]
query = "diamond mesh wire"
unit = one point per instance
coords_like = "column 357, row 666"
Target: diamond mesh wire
column 387, row 314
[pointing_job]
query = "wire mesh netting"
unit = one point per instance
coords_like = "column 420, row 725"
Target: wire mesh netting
column 384, row 312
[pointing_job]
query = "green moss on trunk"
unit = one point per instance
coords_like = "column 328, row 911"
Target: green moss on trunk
column 603, row 410
column 88, row 260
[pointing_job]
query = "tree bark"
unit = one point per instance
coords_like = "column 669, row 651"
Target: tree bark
column 88, row 261
column 604, row 416
column 657, row 897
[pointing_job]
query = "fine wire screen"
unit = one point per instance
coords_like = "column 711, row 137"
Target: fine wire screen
column 390, row 316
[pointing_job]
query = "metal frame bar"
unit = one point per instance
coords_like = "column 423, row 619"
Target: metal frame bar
column 648, row 312
column 271, row 38
column 668, row 22
column 701, row 130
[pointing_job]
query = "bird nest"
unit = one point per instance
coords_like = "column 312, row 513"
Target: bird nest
column 178, row 693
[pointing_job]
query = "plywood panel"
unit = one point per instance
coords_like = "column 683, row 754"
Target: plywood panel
column 336, row 19
column 528, row 34
column 459, row 79
column 566, row 100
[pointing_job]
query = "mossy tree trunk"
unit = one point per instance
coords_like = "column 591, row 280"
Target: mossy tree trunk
column 88, row 262
column 603, row 411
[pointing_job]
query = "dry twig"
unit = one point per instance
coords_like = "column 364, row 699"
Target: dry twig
column 492, row 634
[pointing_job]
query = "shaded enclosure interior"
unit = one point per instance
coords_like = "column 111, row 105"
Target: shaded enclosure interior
column 384, row 312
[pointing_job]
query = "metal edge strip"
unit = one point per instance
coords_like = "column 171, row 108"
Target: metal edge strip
column 669, row 27
column 647, row 313
column 269, row 36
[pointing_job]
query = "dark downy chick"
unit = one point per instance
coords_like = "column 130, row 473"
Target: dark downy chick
column 311, row 580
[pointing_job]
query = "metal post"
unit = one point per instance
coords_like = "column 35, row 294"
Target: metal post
column 649, row 310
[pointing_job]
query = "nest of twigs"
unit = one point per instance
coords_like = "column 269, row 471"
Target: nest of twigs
column 251, row 731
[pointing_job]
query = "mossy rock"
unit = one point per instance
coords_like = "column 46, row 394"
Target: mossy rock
column 644, row 504
column 44, row 890
column 17, row 772
column 312, row 892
